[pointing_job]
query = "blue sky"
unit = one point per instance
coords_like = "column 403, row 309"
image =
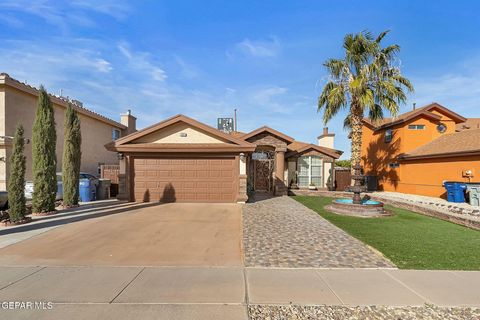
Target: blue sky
column 204, row 58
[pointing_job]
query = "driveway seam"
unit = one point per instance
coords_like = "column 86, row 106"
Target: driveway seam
column 408, row 287
column 329, row 287
column 28, row 275
column 247, row 298
column 128, row 284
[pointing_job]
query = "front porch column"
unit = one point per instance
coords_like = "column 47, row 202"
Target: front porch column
column 280, row 187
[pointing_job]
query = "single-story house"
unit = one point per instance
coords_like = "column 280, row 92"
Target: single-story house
column 181, row 159
column 18, row 104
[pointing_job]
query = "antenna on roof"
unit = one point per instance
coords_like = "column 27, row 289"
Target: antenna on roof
column 235, row 119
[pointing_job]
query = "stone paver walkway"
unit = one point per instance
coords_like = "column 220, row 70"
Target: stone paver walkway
column 281, row 232
column 228, row 292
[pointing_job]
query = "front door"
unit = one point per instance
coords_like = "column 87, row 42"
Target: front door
column 262, row 175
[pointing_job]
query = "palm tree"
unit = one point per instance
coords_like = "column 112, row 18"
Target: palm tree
column 364, row 81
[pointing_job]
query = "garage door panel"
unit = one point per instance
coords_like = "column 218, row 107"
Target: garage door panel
column 185, row 180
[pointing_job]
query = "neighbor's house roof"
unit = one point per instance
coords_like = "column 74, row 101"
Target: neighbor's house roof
column 471, row 123
column 299, row 147
column 464, row 143
column 404, row 117
column 5, row 79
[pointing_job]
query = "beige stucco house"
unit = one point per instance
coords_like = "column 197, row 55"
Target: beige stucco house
column 18, row 105
column 183, row 160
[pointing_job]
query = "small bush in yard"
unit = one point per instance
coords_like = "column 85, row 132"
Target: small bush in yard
column 44, row 142
column 72, row 155
column 16, row 183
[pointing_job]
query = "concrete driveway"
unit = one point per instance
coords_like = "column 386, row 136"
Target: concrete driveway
column 162, row 235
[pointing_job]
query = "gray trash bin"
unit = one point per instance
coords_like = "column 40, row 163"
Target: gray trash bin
column 473, row 190
column 103, row 189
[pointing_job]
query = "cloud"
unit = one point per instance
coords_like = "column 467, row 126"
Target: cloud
column 118, row 9
column 458, row 90
column 142, row 61
column 64, row 14
column 187, row 71
column 259, row 48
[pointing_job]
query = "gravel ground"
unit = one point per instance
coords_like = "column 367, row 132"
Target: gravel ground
column 431, row 203
column 281, row 232
column 295, row 312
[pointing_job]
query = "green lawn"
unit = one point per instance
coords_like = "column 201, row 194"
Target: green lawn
column 408, row 239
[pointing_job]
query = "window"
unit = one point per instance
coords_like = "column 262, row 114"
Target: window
column 416, row 127
column 388, row 135
column 115, row 134
column 310, row 171
column 394, row 165
column 441, row 128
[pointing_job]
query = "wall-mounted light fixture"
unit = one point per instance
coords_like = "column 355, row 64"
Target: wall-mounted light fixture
column 120, row 156
column 242, row 157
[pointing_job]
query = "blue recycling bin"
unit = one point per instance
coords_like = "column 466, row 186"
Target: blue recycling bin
column 455, row 191
column 87, row 190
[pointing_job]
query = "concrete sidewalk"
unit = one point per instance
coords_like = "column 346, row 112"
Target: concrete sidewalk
column 223, row 292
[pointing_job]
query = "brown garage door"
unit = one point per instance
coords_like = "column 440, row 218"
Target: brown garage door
column 185, row 180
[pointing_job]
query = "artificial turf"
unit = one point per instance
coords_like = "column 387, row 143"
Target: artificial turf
column 408, row 239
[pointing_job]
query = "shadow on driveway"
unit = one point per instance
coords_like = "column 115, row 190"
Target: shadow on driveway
column 75, row 216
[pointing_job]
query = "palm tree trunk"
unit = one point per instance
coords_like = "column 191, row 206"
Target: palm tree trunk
column 356, row 125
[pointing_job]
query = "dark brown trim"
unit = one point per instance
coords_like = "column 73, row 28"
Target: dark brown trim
column 425, row 111
column 407, row 157
column 180, row 147
column 269, row 130
column 319, row 149
column 181, row 118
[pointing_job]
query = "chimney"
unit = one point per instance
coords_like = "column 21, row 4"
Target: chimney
column 129, row 121
column 414, row 106
column 326, row 139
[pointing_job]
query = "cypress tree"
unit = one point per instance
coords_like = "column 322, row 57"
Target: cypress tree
column 72, row 155
column 16, row 182
column 44, row 139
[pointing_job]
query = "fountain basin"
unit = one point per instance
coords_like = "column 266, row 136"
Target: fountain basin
column 368, row 208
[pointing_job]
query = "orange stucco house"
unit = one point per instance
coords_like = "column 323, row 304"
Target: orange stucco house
column 418, row 150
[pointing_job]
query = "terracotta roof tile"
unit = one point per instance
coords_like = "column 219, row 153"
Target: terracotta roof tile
column 471, row 123
column 453, row 144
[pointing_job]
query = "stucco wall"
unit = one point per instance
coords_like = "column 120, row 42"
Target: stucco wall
column 20, row 107
column 172, row 134
column 425, row 177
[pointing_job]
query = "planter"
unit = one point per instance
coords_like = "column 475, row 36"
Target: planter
column 7, row 223
column 63, row 207
column 312, row 188
column 43, row 214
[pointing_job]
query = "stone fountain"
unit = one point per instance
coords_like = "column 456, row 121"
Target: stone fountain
column 357, row 206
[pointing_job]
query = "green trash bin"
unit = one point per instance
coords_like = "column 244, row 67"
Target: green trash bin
column 103, row 189
column 473, row 191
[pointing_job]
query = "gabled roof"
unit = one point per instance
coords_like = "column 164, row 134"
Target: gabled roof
column 269, row 130
column 232, row 144
column 464, row 143
column 297, row 147
column 425, row 111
